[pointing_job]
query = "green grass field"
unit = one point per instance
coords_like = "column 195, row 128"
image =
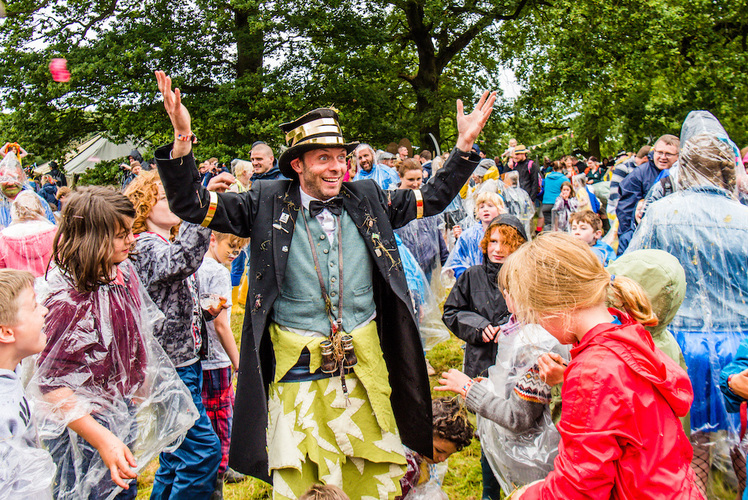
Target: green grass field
column 463, row 480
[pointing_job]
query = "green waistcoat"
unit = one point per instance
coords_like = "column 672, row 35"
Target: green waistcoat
column 300, row 304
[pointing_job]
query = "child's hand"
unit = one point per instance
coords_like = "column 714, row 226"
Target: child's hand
column 457, row 231
column 118, row 458
column 453, row 380
column 738, row 384
column 489, row 333
column 552, row 367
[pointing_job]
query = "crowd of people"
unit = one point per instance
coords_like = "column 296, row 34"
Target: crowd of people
column 601, row 305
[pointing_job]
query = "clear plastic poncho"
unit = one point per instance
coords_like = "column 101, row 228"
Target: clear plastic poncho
column 13, row 181
column 519, row 204
column 431, row 328
column 704, row 226
column 102, row 360
column 26, row 472
column 27, row 243
column 519, row 459
column 422, row 236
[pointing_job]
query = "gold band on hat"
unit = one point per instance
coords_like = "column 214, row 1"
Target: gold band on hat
column 211, row 209
column 315, row 127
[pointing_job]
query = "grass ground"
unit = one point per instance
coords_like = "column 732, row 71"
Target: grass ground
column 463, row 479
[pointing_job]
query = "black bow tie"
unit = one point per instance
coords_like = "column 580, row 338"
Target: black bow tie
column 334, row 205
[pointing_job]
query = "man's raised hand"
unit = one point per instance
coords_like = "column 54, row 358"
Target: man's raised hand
column 178, row 114
column 470, row 126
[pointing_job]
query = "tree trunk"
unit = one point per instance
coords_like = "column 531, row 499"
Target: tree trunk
column 249, row 42
column 594, row 146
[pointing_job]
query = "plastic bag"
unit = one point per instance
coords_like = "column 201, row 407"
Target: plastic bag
column 26, row 473
column 519, row 459
column 102, row 360
column 430, row 490
column 705, row 228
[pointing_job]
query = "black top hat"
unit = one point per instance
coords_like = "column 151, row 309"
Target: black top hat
column 317, row 129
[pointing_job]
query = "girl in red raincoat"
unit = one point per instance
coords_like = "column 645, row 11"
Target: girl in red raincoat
column 620, row 433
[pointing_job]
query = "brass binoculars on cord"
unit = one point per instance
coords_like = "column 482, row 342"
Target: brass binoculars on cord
column 330, row 360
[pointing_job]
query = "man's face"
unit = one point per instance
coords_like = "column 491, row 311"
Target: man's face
column 365, row 159
column 403, row 152
column 592, row 164
column 11, row 189
column 665, row 155
column 321, row 172
column 520, row 156
column 388, row 162
column 261, row 160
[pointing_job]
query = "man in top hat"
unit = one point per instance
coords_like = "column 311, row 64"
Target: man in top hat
column 332, row 379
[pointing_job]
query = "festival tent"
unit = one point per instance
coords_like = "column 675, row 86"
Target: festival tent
column 91, row 152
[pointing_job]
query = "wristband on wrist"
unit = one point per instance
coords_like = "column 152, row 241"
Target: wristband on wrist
column 466, row 387
column 189, row 137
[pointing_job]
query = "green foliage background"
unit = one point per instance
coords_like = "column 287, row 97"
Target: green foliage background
column 618, row 73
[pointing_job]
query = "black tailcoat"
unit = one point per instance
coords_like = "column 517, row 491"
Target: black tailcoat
column 267, row 213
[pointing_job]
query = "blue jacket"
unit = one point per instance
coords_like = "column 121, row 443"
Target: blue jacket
column 274, row 174
column 632, row 189
column 553, row 183
column 48, row 192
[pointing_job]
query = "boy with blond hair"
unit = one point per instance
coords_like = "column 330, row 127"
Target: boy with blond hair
column 29, row 470
column 588, row 227
column 214, row 280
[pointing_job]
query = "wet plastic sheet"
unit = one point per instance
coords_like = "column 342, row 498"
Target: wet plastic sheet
column 421, row 236
column 431, row 329
column 519, row 204
column 102, row 360
column 26, row 473
column 704, row 226
column 519, row 459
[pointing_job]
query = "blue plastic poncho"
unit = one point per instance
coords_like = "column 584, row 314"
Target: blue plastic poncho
column 704, row 226
column 383, row 175
column 467, row 251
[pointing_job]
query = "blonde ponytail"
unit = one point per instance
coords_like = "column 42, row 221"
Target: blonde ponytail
column 628, row 295
column 556, row 274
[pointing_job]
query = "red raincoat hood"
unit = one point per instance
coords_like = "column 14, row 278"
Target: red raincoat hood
column 635, row 347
